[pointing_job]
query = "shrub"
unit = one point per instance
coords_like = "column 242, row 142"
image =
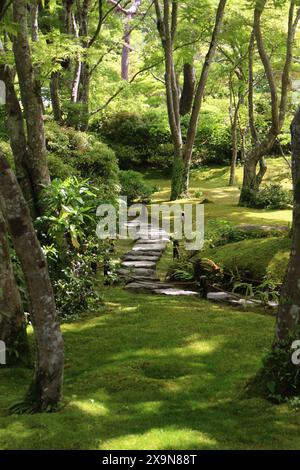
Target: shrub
column 81, row 154
column 74, row 288
column 181, row 270
column 58, row 168
column 279, row 378
column 213, row 140
column 97, row 161
column 271, row 197
column 163, row 158
column 134, row 186
column 135, row 138
column 127, row 156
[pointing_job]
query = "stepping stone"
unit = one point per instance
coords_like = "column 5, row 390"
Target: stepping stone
column 146, row 286
column 146, row 241
column 139, row 264
column 155, row 247
column 139, row 254
column 141, row 258
column 175, row 292
column 219, row 296
column 141, row 271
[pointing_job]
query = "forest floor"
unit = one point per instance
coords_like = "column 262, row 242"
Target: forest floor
column 153, row 372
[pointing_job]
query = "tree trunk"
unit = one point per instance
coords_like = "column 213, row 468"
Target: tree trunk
column 188, row 90
column 84, row 96
column 288, row 317
column 192, row 129
column 18, row 142
column 12, row 324
column 55, row 100
column 126, row 49
column 234, row 152
column 278, row 107
column 46, row 389
column 30, row 95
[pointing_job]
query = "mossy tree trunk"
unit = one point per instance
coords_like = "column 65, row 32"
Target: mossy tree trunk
column 167, row 17
column 12, row 324
column 46, row 389
column 31, row 100
column 288, row 317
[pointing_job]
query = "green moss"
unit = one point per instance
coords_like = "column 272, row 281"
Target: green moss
column 159, row 373
column 259, row 256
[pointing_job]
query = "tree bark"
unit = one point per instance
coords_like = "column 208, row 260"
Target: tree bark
column 17, row 136
column 288, row 317
column 46, row 388
column 30, row 95
column 188, row 90
column 55, row 99
column 191, row 134
column 251, row 182
column 12, row 322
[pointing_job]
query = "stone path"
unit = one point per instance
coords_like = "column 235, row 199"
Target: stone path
column 138, row 266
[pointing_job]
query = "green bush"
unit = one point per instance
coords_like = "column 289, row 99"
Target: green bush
column 279, row 378
column 135, row 187
column 81, row 154
column 271, row 197
column 135, row 138
column 58, row 168
column 181, row 270
column 97, row 161
column 213, row 140
column 127, row 156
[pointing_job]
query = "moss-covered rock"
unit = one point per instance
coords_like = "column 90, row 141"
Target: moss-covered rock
column 258, row 256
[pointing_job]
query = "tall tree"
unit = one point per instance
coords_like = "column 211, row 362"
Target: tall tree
column 288, row 317
column 31, row 100
column 12, row 324
column 129, row 14
column 46, row 388
column 167, row 18
column 261, row 146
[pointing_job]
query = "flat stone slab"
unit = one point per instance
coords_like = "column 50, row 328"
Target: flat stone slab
column 141, row 258
column 147, row 241
column 146, row 286
column 142, row 253
column 219, row 296
column 139, row 264
column 140, row 271
column 155, row 247
column 175, row 292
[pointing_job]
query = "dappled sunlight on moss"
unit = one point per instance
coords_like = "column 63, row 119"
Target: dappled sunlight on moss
column 90, row 406
column 169, row 437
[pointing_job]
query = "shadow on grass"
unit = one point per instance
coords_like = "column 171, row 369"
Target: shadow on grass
column 158, row 373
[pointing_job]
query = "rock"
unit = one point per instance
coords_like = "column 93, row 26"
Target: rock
column 142, row 253
column 175, row 292
column 147, row 241
column 139, row 273
column 155, row 247
column 143, row 257
column 219, row 296
column 139, row 264
column 146, row 287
